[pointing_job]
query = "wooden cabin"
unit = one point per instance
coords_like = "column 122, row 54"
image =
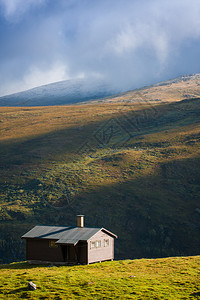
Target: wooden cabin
column 69, row 245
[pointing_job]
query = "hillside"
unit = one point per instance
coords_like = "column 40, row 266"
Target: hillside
column 183, row 87
column 98, row 90
column 59, row 93
column 171, row 278
column 132, row 168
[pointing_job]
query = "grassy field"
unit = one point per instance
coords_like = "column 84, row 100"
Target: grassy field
column 131, row 168
column 169, row 278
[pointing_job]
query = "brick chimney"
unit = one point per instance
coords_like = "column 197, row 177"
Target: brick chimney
column 80, row 221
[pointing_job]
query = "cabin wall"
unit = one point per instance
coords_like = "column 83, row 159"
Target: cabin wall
column 96, row 254
column 40, row 250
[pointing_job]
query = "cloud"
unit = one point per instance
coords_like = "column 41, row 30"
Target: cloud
column 14, row 9
column 37, row 76
column 130, row 43
column 137, row 36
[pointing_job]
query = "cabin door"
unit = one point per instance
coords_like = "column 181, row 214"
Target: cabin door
column 65, row 252
column 69, row 253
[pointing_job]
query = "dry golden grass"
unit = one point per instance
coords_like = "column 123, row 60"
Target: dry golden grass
column 167, row 92
column 17, row 123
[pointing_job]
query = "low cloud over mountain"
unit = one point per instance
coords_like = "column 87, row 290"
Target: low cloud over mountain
column 131, row 43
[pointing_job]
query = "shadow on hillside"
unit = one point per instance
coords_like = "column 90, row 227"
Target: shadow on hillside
column 153, row 216
column 113, row 132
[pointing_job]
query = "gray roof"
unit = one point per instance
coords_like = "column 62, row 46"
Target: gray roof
column 64, row 235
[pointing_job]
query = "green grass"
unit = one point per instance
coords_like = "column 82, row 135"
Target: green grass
column 169, row 278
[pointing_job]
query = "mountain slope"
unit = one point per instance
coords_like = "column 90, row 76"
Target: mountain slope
column 59, row 93
column 86, row 90
column 131, row 168
column 183, row 87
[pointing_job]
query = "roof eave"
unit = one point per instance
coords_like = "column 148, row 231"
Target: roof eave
column 62, row 243
column 110, row 233
column 37, row 238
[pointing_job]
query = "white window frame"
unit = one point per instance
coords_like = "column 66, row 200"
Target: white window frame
column 92, row 244
column 98, row 244
column 95, row 244
column 106, row 242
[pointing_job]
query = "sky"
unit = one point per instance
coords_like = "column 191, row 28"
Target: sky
column 128, row 43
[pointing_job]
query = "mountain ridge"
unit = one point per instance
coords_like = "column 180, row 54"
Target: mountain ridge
column 60, row 93
column 96, row 90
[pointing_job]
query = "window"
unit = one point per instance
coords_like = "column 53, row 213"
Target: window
column 92, row 245
column 98, row 244
column 52, row 244
column 95, row 244
column 106, row 243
